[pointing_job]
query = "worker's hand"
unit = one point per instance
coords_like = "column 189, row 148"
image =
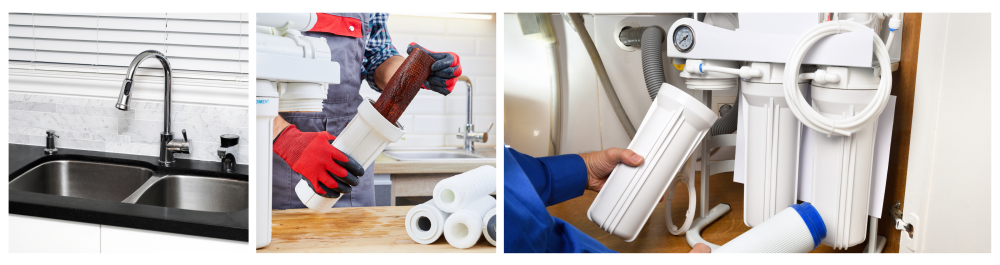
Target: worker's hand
column 701, row 248
column 601, row 163
column 328, row 171
column 444, row 72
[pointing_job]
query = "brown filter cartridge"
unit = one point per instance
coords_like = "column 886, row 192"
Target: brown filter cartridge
column 404, row 85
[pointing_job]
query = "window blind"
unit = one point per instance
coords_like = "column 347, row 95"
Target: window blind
column 198, row 45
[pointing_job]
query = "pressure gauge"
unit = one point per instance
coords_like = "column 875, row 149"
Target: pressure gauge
column 683, row 38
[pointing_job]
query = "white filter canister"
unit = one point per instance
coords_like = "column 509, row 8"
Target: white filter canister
column 796, row 229
column 672, row 128
column 364, row 138
column 267, row 108
column 425, row 223
column 842, row 167
column 771, row 152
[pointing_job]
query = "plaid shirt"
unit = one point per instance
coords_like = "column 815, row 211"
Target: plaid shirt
column 378, row 48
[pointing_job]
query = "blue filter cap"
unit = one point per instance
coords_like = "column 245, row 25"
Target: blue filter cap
column 812, row 219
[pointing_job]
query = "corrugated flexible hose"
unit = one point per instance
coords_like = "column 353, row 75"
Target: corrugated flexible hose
column 727, row 124
column 649, row 40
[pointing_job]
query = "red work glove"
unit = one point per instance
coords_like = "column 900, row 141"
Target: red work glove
column 328, row 171
column 444, row 72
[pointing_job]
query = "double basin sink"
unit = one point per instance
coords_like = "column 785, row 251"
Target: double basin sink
column 133, row 185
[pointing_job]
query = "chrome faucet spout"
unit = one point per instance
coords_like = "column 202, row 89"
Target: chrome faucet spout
column 125, row 98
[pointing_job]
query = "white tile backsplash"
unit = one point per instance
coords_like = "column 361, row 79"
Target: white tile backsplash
column 95, row 124
column 432, row 119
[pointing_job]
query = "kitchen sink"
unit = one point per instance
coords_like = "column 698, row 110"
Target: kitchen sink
column 90, row 180
column 428, row 155
column 133, row 185
column 195, row 193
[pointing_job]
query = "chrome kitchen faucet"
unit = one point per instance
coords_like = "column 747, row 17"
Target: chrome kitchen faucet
column 168, row 146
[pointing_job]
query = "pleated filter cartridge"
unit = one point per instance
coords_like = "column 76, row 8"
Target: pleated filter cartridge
column 452, row 194
column 490, row 226
column 425, row 223
column 461, row 209
column 464, row 227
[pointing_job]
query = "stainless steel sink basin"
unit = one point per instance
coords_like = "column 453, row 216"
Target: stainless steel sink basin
column 432, row 155
column 91, row 180
column 195, row 193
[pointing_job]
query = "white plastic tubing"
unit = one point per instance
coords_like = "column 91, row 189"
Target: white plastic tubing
column 672, row 128
column 797, row 229
column 801, row 108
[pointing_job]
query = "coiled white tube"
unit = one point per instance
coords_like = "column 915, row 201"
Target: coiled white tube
column 463, row 228
column 809, row 116
column 452, row 194
column 490, row 226
column 425, row 223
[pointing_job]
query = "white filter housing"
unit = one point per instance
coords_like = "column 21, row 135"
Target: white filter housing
column 301, row 97
column 796, row 229
column 267, row 109
column 364, row 138
column 842, row 166
column 674, row 125
column 772, row 147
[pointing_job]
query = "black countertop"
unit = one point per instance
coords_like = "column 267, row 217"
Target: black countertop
column 231, row 225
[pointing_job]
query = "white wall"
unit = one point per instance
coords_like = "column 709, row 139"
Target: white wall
column 432, row 120
column 948, row 176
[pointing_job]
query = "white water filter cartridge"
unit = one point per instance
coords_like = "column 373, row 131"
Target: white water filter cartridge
column 454, row 193
column 464, row 227
column 364, row 138
column 797, row 229
column 425, row 223
column 668, row 135
column 490, row 226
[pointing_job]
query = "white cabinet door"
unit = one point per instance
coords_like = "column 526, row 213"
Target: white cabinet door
column 120, row 239
column 29, row 234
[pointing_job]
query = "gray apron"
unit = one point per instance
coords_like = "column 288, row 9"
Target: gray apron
column 339, row 107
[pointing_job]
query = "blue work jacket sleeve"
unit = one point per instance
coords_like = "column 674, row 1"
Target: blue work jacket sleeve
column 528, row 226
column 555, row 178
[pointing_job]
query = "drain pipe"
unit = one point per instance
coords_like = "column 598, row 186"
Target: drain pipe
column 539, row 26
column 576, row 20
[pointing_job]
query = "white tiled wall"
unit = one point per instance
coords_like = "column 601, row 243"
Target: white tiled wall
column 432, row 119
column 95, row 124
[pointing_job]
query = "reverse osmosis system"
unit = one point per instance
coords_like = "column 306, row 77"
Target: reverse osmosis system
column 795, row 74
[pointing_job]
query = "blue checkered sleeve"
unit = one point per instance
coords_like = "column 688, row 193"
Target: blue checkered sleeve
column 378, row 48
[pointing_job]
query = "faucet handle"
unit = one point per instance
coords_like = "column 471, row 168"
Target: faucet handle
column 50, row 133
column 185, row 133
column 490, row 128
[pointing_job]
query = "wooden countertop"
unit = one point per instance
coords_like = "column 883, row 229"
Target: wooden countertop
column 654, row 237
column 386, row 165
column 358, row 229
